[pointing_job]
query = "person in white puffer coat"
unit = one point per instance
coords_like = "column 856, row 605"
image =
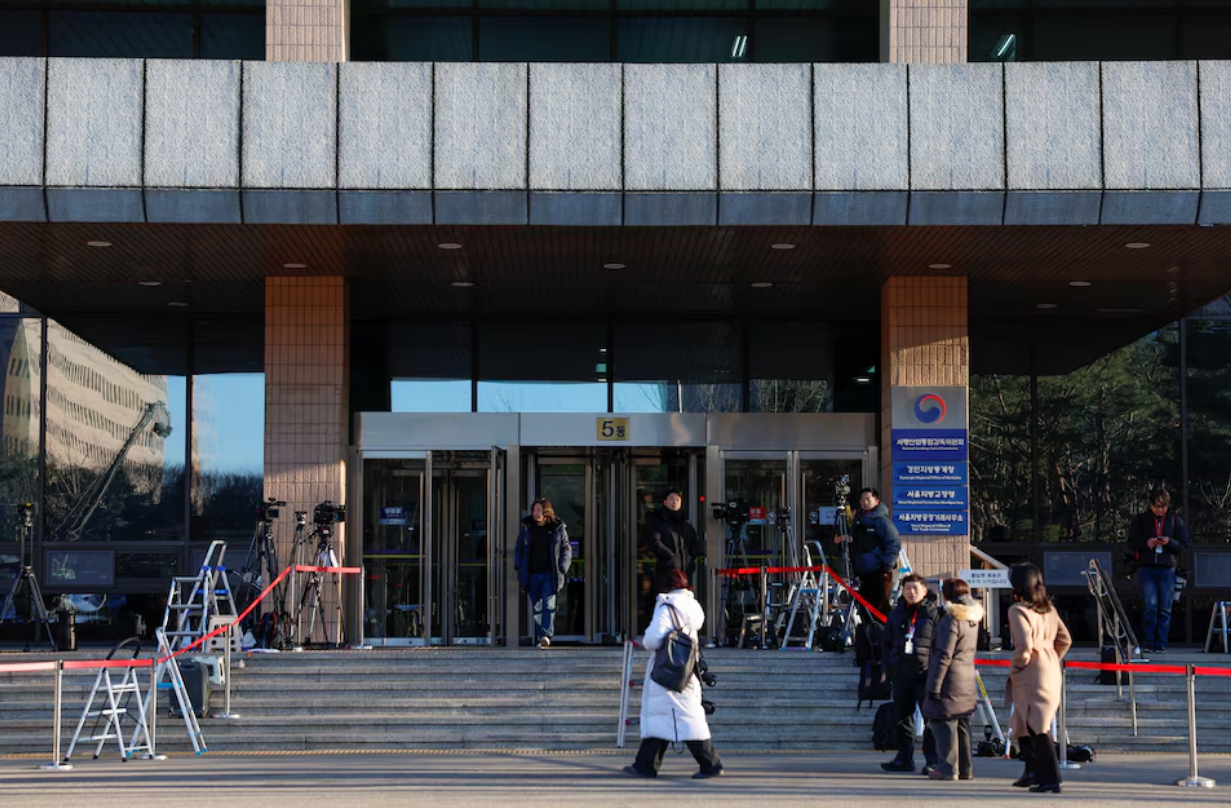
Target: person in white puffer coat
column 666, row 716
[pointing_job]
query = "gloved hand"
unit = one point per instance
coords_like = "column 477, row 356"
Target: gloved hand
column 934, row 696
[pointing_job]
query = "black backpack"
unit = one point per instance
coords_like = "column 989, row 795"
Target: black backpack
column 885, row 729
column 874, row 682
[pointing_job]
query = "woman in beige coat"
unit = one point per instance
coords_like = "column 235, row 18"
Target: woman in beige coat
column 1040, row 641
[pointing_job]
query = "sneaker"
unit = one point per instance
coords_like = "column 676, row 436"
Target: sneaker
column 1160, row 650
column 633, row 771
column 896, row 765
column 711, row 773
column 927, row 769
column 545, row 642
column 935, row 775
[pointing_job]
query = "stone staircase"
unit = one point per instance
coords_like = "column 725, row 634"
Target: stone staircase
column 568, row 698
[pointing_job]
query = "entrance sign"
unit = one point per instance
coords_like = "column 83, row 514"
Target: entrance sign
column 613, row 429
column 936, row 445
column 955, row 473
column 986, row 579
column 931, row 523
column 947, row 497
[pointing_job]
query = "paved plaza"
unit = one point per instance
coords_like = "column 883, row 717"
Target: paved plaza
column 490, row 779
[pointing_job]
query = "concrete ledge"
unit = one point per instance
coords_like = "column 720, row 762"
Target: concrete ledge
column 603, row 209
column 861, row 208
column 956, row 207
column 290, row 207
column 1215, row 208
column 22, row 111
column 22, row 205
column 481, row 207
column 95, row 205
column 764, row 209
column 1150, row 207
column 674, row 210
column 1052, row 207
column 175, row 206
column 385, row 207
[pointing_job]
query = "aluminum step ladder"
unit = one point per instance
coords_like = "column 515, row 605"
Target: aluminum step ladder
column 166, row 676
column 193, row 601
column 627, row 686
column 118, row 708
column 810, row 596
column 1218, row 626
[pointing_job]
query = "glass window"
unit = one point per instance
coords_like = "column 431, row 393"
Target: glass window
column 21, row 33
column 544, row 39
column 120, row 34
column 19, row 350
column 1103, row 38
column 995, row 37
column 682, row 5
column 683, row 39
column 1207, row 36
column 548, row 5
column 233, row 36
column 817, row 39
column 411, row 39
column 542, row 367
column 650, row 356
column 115, row 447
column 1209, row 436
column 229, row 441
column 429, row 395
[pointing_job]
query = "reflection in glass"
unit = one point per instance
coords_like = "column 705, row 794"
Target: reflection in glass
column 429, row 395
column 821, row 504
column 229, row 456
column 683, row 39
column 21, row 33
column 676, row 396
column 120, row 34
column 542, row 397
column 233, row 36
column 790, row 395
column 392, row 552
column 544, row 39
column 376, row 38
column 114, row 471
column 19, row 350
column 565, row 486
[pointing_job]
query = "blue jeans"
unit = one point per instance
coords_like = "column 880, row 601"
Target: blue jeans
column 542, row 590
column 1157, row 595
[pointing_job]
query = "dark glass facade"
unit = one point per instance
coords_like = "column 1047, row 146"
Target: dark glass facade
column 172, row 29
column 679, row 31
column 1098, row 30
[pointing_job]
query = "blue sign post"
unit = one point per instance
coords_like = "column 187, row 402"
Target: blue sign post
column 931, row 475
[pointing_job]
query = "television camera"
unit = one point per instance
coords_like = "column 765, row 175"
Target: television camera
column 267, row 510
column 328, row 513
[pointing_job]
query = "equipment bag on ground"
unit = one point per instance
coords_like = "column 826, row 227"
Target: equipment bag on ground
column 885, row 729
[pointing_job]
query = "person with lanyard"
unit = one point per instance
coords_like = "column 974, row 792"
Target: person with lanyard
column 1157, row 538
column 906, row 646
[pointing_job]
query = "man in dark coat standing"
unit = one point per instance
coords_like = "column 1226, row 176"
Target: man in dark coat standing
column 906, row 647
column 874, row 549
column 670, row 537
column 1158, row 538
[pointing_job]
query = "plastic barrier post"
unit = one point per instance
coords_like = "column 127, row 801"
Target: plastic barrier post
column 1193, row 779
column 1065, row 763
column 228, row 635
column 57, row 763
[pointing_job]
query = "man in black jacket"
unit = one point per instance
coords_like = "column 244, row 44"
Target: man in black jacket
column 1158, row 538
column 907, row 646
column 670, row 537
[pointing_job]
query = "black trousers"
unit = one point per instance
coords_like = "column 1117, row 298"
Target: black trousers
column 650, row 755
column 953, row 747
column 1039, row 755
column 874, row 587
column 907, row 693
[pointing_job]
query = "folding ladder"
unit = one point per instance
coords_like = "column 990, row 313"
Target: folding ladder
column 166, row 676
column 193, row 601
column 627, row 685
column 809, row 596
column 1218, row 626
column 117, row 709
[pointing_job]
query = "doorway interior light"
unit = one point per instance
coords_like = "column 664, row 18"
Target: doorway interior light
column 762, row 285
column 1047, row 305
column 1079, row 284
column 463, row 284
column 940, row 266
column 613, row 266
column 602, row 350
column 294, row 266
column 98, row 243
column 782, row 245
column 1137, row 245
column 739, row 47
column 149, row 283
column 862, row 380
column 449, row 245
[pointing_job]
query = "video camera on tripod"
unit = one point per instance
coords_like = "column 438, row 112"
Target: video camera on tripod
column 734, row 512
column 268, row 510
column 327, row 514
column 841, row 488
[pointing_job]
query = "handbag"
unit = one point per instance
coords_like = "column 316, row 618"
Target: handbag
column 675, row 660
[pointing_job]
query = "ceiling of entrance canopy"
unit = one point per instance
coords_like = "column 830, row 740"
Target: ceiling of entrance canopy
column 1073, row 292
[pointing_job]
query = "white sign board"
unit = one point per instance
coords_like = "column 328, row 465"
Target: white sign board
column 986, row 579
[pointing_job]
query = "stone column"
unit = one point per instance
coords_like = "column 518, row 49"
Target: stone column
column 924, row 31
column 306, row 378
column 924, row 343
column 307, row 30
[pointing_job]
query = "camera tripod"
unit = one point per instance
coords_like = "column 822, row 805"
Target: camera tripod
column 26, row 583
column 311, row 598
column 260, row 567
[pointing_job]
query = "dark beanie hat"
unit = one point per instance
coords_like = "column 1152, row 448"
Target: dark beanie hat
column 673, row 490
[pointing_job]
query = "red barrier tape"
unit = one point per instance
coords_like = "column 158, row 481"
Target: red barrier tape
column 993, row 663
column 339, row 570
column 733, row 572
column 27, row 667
column 1134, row 668
column 78, row 664
column 1212, row 671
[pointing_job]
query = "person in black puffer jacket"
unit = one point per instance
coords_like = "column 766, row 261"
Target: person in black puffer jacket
column 670, row 537
column 906, row 646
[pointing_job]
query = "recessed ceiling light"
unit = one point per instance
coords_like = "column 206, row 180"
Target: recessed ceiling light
column 1137, row 245
column 149, row 283
column 98, row 243
column 613, row 266
column 601, row 379
column 782, row 246
column 762, row 285
column 449, row 245
column 602, row 350
column 294, row 266
column 1047, row 305
column 862, row 380
column 179, row 304
column 463, row 284
column 940, row 266
column 1079, row 284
